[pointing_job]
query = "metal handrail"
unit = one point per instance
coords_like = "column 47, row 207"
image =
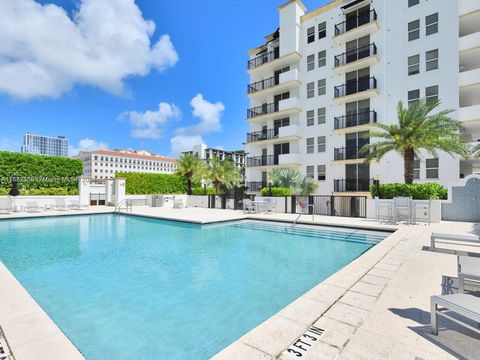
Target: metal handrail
column 262, row 110
column 263, row 58
column 359, row 118
column 262, row 135
column 348, row 153
column 353, row 87
column 355, row 22
column 263, row 84
column 263, row 160
column 356, row 54
column 352, row 185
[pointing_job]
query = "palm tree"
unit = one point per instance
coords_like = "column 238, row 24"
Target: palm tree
column 417, row 129
column 292, row 179
column 190, row 167
column 285, row 177
column 223, row 172
column 476, row 151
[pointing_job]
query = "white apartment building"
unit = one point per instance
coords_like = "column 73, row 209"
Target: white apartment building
column 319, row 81
column 206, row 153
column 45, row 145
column 104, row 164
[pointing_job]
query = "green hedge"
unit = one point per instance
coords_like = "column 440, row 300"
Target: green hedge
column 42, row 191
column 143, row 183
column 201, row 191
column 276, row 192
column 39, row 171
column 428, row 191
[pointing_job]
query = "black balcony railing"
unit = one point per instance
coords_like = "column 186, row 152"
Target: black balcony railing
column 353, row 185
column 356, row 119
column 262, row 135
column 256, row 186
column 356, row 54
column 263, row 58
column 355, row 22
column 348, row 153
column 263, row 160
column 262, row 110
column 355, row 86
column 263, row 84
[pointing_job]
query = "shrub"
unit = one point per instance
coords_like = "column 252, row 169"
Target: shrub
column 276, row 192
column 201, row 191
column 42, row 191
column 39, row 171
column 143, row 183
column 428, row 191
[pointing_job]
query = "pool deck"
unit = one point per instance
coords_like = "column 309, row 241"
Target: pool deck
column 376, row 307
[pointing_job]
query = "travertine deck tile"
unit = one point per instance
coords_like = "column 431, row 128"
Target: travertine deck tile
column 336, row 333
column 367, row 289
column 347, row 314
column 365, row 302
column 241, row 351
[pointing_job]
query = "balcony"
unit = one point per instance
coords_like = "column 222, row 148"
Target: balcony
column 348, row 153
column 356, row 27
column 355, row 59
column 469, row 114
column 256, row 186
column 469, row 78
column 274, row 84
column 283, row 107
column 263, row 84
column 263, row 58
column 263, row 160
column 469, row 42
column 285, row 160
column 356, row 119
column 283, row 133
column 352, row 185
column 356, row 89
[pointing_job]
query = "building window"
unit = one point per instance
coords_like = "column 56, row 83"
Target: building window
column 322, row 172
column 416, row 169
column 413, row 96
column 322, row 58
column 322, row 143
column 310, row 117
column 311, row 34
column 322, row 87
column 310, row 145
column 310, row 62
column 413, row 2
column 413, row 64
column 414, row 30
column 431, row 59
column 431, row 93
column 432, row 168
column 310, row 171
column 431, row 24
column 322, row 30
column 310, row 90
column 322, row 115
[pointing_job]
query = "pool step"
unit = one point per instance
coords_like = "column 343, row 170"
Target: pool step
column 353, row 236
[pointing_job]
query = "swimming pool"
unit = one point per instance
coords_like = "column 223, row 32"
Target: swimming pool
column 124, row 287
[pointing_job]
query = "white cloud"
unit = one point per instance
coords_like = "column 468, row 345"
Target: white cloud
column 145, row 125
column 181, row 143
column 44, row 52
column 87, row 145
column 209, row 114
column 9, row 145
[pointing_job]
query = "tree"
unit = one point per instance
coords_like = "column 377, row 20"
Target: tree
column 417, row 130
column 292, row 179
column 190, row 167
column 223, row 172
column 476, row 151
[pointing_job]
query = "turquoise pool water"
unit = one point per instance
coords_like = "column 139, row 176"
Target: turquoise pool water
column 126, row 287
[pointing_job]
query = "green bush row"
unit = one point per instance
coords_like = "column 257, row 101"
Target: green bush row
column 428, row 191
column 39, row 171
column 143, row 183
column 277, row 191
column 42, row 191
column 201, row 191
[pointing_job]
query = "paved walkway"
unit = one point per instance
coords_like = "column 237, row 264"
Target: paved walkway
column 377, row 307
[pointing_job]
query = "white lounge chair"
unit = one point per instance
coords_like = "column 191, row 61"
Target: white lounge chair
column 60, row 205
column 75, row 205
column 454, row 238
column 32, row 206
column 468, row 268
column 463, row 304
column 248, row 206
column 177, row 203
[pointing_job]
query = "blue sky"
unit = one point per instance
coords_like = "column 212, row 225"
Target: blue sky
column 197, row 75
